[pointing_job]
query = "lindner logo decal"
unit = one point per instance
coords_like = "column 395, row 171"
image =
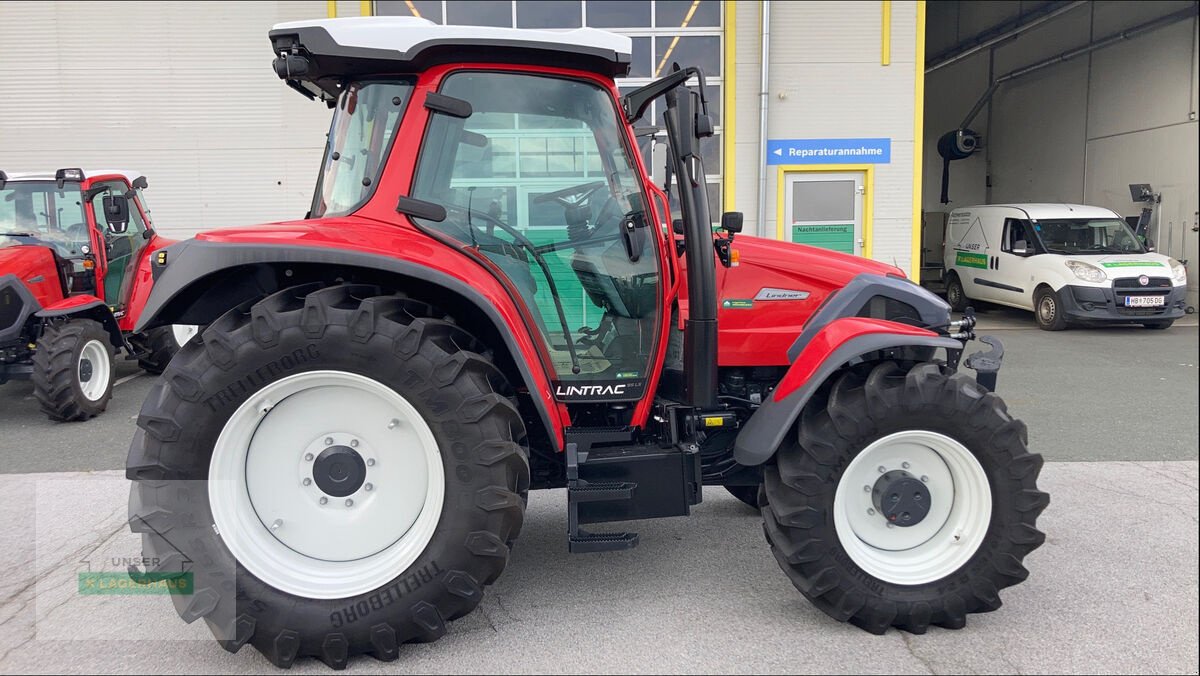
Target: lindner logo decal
column 768, row 293
column 590, row 390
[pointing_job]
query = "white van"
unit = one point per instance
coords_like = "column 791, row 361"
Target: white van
column 1068, row 263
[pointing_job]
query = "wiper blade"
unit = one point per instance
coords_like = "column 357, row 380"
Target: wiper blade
column 18, row 234
column 541, row 261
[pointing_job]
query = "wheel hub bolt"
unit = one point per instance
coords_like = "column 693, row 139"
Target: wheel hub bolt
column 370, row 462
column 905, row 465
column 882, row 469
column 323, row 500
column 924, row 478
column 349, row 502
column 369, row 487
column 307, row 481
column 308, row 457
column 871, row 512
column 328, row 441
column 354, row 443
column 866, row 489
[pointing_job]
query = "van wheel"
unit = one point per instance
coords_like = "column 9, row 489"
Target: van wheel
column 1047, row 308
column 1159, row 325
column 955, row 294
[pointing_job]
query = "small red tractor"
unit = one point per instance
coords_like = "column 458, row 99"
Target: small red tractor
column 75, row 253
column 489, row 296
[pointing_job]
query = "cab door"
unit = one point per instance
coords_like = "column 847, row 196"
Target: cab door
column 120, row 250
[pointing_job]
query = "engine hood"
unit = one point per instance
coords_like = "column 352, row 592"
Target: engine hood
column 764, row 301
column 35, row 267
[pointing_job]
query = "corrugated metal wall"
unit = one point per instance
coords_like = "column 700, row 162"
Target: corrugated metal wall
column 827, row 81
column 181, row 91
column 1079, row 131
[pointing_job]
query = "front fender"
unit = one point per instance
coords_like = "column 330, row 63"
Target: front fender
column 86, row 306
column 197, row 280
column 835, row 344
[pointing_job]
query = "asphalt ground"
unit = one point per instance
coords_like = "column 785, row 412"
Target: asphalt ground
column 1114, row 589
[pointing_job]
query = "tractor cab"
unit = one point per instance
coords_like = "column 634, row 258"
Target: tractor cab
column 87, row 227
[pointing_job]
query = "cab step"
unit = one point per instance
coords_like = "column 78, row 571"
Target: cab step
column 603, row 485
column 583, row 542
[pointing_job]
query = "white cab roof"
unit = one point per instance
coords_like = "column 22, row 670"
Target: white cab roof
column 1042, row 210
column 408, row 35
column 87, row 173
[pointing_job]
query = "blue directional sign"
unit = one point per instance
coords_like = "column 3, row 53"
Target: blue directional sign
column 829, row 151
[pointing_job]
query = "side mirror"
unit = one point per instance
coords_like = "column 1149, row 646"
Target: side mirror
column 139, row 183
column 731, row 222
column 116, row 212
column 1149, row 245
column 677, row 226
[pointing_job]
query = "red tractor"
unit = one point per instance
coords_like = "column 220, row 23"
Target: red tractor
column 74, row 275
column 491, row 296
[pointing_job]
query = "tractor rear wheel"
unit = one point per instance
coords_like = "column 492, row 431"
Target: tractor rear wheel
column 161, row 345
column 73, row 370
column 909, row 499
column 340, row 470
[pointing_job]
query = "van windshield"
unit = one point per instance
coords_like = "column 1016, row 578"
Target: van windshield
column 1088, row 236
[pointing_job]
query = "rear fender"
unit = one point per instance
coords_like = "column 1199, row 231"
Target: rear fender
column 196, row 281
column 86, row 306
column 826, row 352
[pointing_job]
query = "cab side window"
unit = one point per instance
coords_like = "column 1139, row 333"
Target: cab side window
column 1016, row 235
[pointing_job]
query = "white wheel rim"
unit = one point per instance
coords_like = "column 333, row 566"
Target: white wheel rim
column 949, row 535
column 278, row 527
column 93, row 370
column 183, row 333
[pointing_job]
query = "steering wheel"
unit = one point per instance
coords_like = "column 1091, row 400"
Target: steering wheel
column 572, row 196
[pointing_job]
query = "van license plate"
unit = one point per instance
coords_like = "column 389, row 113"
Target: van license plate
column 1145, row 301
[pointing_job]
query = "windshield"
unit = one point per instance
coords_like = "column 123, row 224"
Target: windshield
column 364, row 124
column 38, row 212
column 539, row 181
column 1088, row 236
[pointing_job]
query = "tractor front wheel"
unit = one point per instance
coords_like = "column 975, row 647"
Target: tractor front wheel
column 73, row 370
column 339, row 471
column 909, row 499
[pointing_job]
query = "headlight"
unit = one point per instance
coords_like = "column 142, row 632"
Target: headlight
column 1086, row 272
column 1178, row 271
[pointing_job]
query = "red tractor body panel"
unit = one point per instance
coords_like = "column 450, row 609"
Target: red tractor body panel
column 35, row 267
column 759, row 311
column 70, row 303
column 143, row 282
